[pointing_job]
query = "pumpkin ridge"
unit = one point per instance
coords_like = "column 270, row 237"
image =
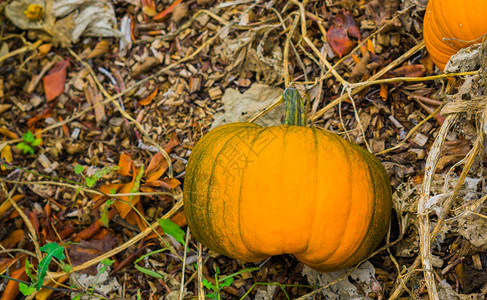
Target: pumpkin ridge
column 313, row 212
column 244, row 242
column 365, row 244
column 283, row 164
column 330, row 136
column 351, row 183
column 373, row 235
column 350, row 179
column 189, row 189
column 208, row 213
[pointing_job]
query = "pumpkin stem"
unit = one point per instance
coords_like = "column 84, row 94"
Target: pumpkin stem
column 294, row 108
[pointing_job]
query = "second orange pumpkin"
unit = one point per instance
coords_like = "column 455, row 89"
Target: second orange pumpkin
column 450, row 25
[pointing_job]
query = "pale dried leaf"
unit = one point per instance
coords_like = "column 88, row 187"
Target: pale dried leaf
column 240, row 107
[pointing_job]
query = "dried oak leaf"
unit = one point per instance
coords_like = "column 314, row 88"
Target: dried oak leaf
column 339, row 33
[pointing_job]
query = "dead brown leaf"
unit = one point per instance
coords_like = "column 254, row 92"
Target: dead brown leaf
column 101, row 48
column 54, row 81
column 338, row 34
column 408, row 71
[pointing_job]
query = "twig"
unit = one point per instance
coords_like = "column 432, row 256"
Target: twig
column 410, row 133
column 89, row 190
column 357, row 88
column 21, row 50
column 201, row 291
column 313, row 47
column 424, row 223
column 181, row 291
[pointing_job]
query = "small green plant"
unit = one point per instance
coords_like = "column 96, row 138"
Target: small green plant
column 218, row 286
column 147, row 271
column 29, row 143
column 220, row 283
column 53, row 250
column 92, row 179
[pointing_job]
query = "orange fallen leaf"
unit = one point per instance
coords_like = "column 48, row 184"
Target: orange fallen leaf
column 339, row 40
column 179, row 219
column 43, row 50
column 12, row 289
column 158, row 164
column 147, row 100
column 408, row 71
column 173, row 142
column 10, row 134
column 6, row 205
column 133, row 218
column 428, row 63
column 44, row 115
column 38, row 135
column 167, row 183
column 355, row 58
column 54, row 81
column 122, row 206
column 149, row 8
column 370, row 46
column 13, row 239
column 383, row 92
column 64, row 126
column 106, row 189
column 44, row 293
column 157, row 167
column 163, row 14
column 125, row 164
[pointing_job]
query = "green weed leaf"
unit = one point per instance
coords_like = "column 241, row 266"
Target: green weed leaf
column 107, row 262
column 78, row 169
column 208, row 285
column 149, row 272
column 53, row 250
column 25, row 148
column 28, row 270
column 227, row 282
column 136, row 186
column 172, row 229
column 26, row 289
column 36, row 142
column 28, row 137
column 90, row 181
column 104, row 213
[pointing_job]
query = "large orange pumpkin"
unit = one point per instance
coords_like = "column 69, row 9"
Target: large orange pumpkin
column 450, row 25
column 251, row 192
